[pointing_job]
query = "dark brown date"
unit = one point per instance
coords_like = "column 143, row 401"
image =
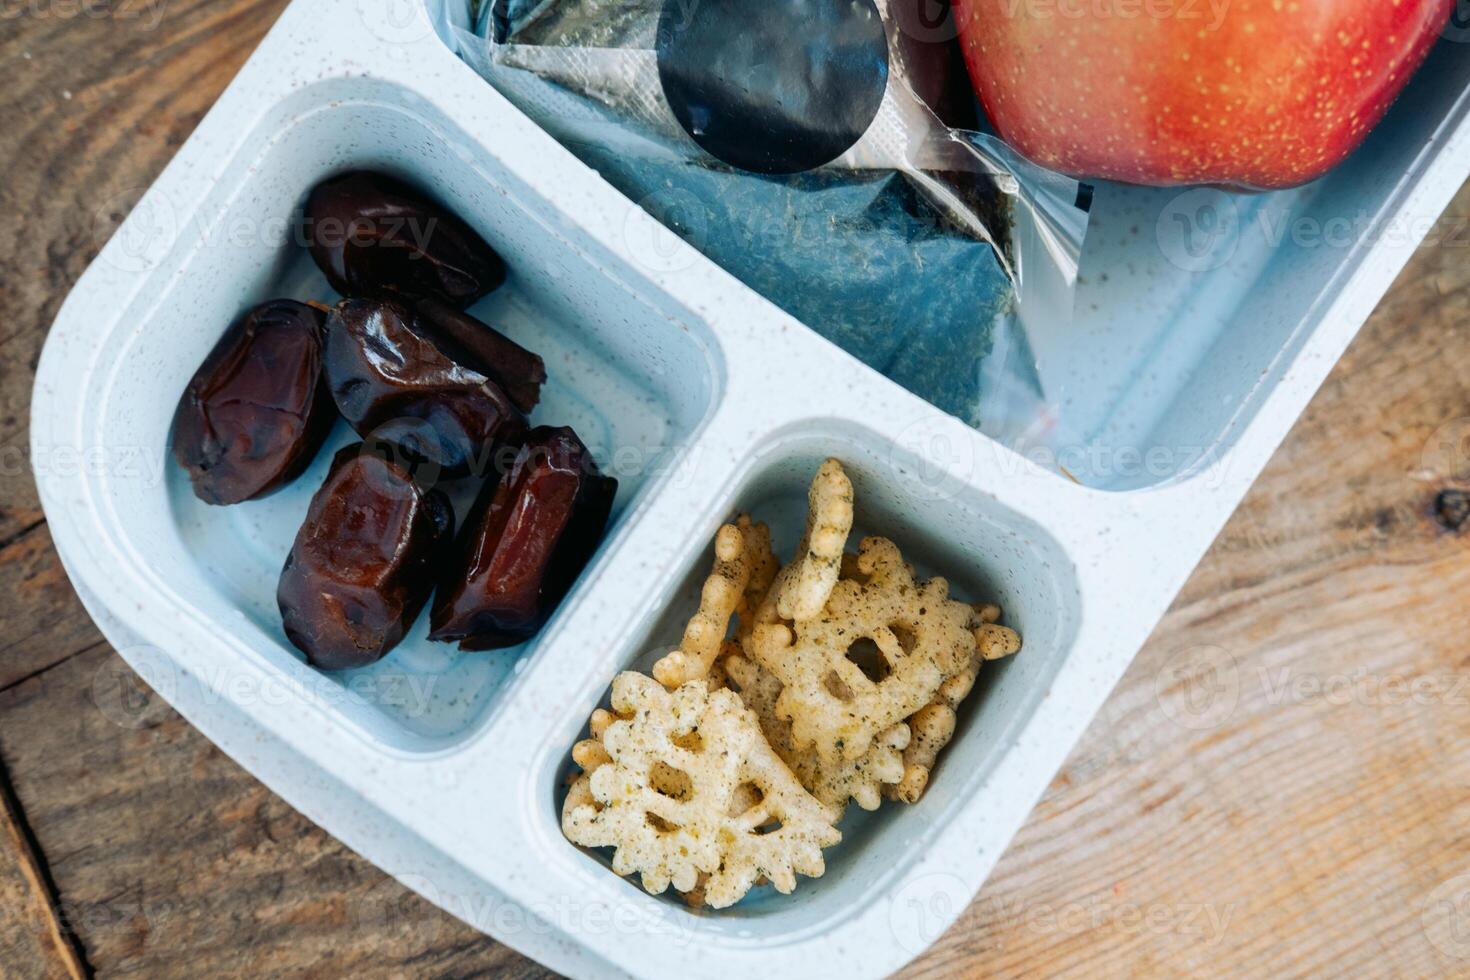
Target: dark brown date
column 401, row 375
column 362, row 565
column 523, row 544
column 479, row 346
column 372, row 235
column 258, row 409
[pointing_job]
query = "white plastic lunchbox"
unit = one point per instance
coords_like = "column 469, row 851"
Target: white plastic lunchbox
column 1206, row 321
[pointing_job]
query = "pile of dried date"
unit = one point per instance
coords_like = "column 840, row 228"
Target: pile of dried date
column 436, row 395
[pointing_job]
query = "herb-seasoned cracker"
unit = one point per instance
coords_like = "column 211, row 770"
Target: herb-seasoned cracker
column 705, row 632
column 744, row 563
column 921, row 634
column 764, row 566
column 676, row 761
column 840, row 681
column 832, row 783
column 804, row 587
column 933, row 725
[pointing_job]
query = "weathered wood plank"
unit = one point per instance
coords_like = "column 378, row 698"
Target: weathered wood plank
column 97, row 98
column 34, row 940
column 45, row 621
column 171, row 861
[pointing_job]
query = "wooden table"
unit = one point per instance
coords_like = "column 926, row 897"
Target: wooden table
column 1318, row 823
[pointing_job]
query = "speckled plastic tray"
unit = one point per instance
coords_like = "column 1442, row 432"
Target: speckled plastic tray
column 446, row 769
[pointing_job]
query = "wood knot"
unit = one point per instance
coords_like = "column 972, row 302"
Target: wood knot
column 1452, row 508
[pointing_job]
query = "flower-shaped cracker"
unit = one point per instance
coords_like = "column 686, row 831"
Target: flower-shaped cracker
column 921, row 634
column 832, row 783
column 675, row 763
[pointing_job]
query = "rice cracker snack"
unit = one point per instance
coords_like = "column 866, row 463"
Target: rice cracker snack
column 833, row 783
column 793, row 690
column 744, row 561
column 806, row 584
column 922, row 635
column 660, row 788
column 933, row 725
column 744, row 569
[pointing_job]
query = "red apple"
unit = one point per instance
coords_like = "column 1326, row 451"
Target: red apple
column 1247, row 93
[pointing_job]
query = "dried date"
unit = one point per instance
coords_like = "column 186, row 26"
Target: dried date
column 524, row 543
column 397, row 373
column 371, row 234
column 257, row 411
column 362, row 565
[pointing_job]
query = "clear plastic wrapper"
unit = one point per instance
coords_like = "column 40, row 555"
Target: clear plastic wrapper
column 825, row 153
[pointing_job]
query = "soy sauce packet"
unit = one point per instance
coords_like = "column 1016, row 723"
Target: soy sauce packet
column 823, row 152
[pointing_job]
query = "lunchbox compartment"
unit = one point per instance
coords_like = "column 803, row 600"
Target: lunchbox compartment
column 634, row 381
column 986, row 550
column 1191, row 301
column 1195, row 301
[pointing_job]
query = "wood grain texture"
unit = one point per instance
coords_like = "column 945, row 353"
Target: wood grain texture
column 171, row 861
column 45, row 619
column 98, row 97
column 1281, row 784
column 35, row 941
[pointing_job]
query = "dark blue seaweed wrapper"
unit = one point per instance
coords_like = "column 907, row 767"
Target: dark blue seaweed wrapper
column 860, row 257
column 864, row 257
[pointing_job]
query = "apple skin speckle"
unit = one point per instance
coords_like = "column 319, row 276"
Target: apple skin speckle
column 1251, row 94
